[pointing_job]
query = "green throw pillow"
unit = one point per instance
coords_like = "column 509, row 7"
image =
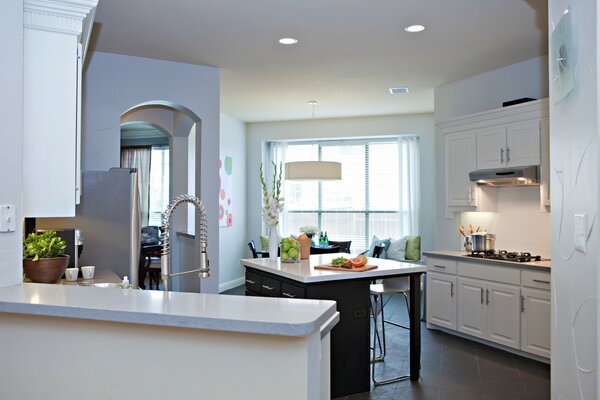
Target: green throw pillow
column 413, row 248
column 264, row 242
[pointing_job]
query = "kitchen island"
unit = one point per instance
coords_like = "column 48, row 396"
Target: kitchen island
column 350, row 340
column 68, row 341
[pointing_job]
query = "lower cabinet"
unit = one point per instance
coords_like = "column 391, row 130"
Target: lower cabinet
column 535, row 321
column 441, row 300
column 504, row 305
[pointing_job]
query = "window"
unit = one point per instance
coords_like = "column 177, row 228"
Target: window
column 374, row 197
column 159, row 184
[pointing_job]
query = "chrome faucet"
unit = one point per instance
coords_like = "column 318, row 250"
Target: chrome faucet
column 204, row 270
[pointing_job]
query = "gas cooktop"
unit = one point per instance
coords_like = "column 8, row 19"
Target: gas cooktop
column 504, row 255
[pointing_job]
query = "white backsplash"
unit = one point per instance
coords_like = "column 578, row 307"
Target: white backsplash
column 518, row 223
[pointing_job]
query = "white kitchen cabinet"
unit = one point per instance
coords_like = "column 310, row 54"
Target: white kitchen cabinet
column 471, row 307
column 535, row 321
column 52, row 90
column 460, row 160
column 515, row 145
column 503, row 318
column 441, row 300
column 491, row 144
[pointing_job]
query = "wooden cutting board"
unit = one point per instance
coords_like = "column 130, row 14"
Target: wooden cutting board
column 329, row 267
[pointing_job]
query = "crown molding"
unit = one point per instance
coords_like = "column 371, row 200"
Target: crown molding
column 63, row 16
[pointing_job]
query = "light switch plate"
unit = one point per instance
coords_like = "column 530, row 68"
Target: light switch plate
column 580, row 229
column 7, row 218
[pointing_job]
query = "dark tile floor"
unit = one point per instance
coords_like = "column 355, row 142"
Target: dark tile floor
column 452, row 368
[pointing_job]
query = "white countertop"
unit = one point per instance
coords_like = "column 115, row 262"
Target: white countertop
column 260, row 315
column 305, row 272
column 462, row 256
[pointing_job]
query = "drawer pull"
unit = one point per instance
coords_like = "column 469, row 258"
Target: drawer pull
column 250, row 281
column 540, row 281
column 440, row 266
column 487, row 296
column 289, row 295
column 481, row 295
column 451, row 289
column 268, row 287
column 522, row 303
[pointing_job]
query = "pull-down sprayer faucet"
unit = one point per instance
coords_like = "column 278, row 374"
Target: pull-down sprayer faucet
column 204, row 270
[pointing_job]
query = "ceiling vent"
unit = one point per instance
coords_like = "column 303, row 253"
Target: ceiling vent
column 399, row 90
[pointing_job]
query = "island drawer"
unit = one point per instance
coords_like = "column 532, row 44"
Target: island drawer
column 535, row 279
column 292, row 291
column 442, row 265
column 253, row 282
column 270, row 287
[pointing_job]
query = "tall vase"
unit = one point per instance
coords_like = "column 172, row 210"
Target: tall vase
column 273, row 243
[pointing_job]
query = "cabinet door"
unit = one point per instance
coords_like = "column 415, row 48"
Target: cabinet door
column 535, row 321
column 503, row 314
column 523, row 144
column 441, row 300
column 491, row 152
column 471, row 306
column 460, row 160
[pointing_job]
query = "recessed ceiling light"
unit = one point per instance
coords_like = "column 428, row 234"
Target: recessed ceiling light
column 313, row 102
column 288, row 40
column 398, row 90
column 414, row 28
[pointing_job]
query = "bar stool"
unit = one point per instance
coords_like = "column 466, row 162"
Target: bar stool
column 389, row 286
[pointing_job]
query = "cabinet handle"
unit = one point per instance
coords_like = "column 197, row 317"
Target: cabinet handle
column 268, row 287
column 507, row 154
column 540, row 281
column 481, row 295
column 250, row 281
column 289, row 295
column 487, row 296
column 502, row 155
column 522, row 303
column 440, row 266
column 451, row 289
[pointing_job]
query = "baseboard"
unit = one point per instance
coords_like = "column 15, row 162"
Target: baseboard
column 231, row 284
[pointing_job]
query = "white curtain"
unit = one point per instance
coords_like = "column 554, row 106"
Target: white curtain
column 408, row 157
column 277, row 154
column 139, row 158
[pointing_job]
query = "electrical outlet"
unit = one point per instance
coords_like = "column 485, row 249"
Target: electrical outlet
column 360, row 313
column 580, row 229
column 7, row 218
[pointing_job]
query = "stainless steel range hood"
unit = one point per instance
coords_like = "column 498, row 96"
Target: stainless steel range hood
column 520, row 176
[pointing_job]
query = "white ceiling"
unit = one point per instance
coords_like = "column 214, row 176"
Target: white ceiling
column 349, row 52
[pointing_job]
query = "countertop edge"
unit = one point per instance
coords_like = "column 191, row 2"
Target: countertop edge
column 460, row 256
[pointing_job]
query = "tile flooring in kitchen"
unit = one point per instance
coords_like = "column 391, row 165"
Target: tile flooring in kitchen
column 452, row 368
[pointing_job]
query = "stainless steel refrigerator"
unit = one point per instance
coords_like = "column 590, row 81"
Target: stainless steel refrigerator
column 109, row 219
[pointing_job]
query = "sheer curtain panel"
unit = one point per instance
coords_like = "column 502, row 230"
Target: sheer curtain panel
column 139, row 158
column 408, row 157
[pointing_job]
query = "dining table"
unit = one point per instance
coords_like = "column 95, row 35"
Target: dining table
column 350, row 339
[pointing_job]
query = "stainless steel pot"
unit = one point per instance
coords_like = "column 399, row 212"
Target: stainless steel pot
column 483, row 241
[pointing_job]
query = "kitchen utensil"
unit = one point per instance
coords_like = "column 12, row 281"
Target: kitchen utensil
column 478, row 229
column 461, row 229
column 470, row 229
column 483, row 241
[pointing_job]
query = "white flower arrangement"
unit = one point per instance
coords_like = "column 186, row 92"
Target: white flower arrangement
column 309, row 229
column 272, row 202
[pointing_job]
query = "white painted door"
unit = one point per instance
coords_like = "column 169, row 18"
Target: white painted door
column 441, row 300
column 491, row 152
column 503, row 314
column 535, row 321
column 471, row 306
column 460, row 160
column 523, row 144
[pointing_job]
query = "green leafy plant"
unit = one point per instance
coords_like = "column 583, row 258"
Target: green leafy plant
column 45, row 245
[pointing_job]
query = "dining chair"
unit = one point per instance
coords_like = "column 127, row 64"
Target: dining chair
column 150, row 250
column 390, row 286
column 344, row 247
column 256, row 253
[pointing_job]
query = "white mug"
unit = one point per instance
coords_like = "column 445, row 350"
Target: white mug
column 88, row 271
column 71, row 274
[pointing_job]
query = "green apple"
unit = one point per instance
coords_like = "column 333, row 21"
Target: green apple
column 284, row 256
column 293, row 253
column 285, row 246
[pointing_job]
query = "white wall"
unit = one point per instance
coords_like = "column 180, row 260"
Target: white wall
column 11, row 136
column 233, row 239
column 574, row 185
column 480, row 93
column 115, row 83
column 422, row 124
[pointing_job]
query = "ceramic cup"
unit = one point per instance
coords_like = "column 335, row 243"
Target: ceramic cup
column 88, row 271
column 71, row 274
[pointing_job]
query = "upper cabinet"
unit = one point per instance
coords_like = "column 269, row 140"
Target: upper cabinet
column 515, row 136
column 52, row 106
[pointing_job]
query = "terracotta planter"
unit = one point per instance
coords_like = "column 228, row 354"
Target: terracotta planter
column 46, row 270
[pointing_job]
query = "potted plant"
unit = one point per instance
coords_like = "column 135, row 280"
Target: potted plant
column 44, row 260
